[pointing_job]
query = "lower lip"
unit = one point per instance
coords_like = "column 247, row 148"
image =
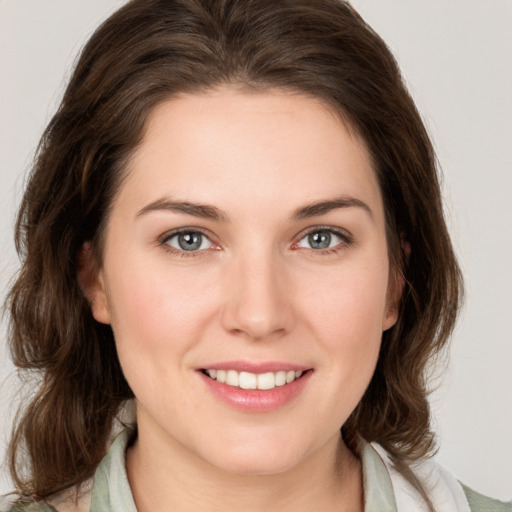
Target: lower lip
column 257, row 400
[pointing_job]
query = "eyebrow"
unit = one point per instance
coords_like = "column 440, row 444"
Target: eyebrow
column 323, row 207
column 197, row 210
column 213, row 213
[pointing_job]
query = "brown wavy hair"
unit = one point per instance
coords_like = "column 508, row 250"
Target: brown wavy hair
column 146, row 52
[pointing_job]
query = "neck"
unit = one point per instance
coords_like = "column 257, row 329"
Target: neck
column 165, row 475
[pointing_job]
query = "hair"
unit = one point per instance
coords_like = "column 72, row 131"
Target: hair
column 145, row 53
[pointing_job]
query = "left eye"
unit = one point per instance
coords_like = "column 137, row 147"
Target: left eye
column 321, row 239
column 189, row 241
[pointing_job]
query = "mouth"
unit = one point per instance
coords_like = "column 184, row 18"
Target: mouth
column 259, row 381
column 251, row 386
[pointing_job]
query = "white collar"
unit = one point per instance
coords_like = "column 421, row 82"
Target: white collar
column 445, row 492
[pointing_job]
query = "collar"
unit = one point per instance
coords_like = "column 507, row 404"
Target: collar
column 111, row 490
column 385, row 490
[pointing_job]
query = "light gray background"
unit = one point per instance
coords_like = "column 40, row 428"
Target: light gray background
column 456, row 56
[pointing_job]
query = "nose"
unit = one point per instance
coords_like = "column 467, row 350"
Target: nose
column 258, row 302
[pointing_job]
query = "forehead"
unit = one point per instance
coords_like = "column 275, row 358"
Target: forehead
column 229, row 146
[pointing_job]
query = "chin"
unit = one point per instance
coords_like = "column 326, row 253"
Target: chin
column 261, row 455
column 260, row 465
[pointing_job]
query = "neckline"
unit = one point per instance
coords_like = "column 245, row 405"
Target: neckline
column 111, row 489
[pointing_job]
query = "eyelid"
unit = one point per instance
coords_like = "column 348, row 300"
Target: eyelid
column 188, row 229
column 333, row 229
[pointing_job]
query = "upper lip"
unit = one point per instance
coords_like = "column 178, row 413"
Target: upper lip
column 255, row 366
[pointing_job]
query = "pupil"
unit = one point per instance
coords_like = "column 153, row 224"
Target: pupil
column 320, row 240
column 189, row 241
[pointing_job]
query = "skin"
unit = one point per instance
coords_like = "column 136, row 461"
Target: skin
column 256, row 290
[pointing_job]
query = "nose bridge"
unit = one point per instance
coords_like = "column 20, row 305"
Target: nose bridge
column 257, row 304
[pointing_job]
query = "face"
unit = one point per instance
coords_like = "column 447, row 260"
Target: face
column 246, row 278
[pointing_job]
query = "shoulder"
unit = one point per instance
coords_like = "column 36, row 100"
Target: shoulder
column 69, row 500
column 443, row 489
column 55, row 505
column 480, row 503
column 26, row 507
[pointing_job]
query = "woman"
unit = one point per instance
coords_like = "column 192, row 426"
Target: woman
column 235, row 218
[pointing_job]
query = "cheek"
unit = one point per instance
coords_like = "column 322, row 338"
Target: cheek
column 154, row 294
column 347, row 318
column 154, row 307
column 350, row 303
column 158, row 317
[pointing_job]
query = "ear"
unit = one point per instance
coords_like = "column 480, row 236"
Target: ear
column 92, row 283
column 396, row 287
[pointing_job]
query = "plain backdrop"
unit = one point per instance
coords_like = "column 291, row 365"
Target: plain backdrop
column 456, row 56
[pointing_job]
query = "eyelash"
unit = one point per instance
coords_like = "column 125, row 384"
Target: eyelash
column 346, row 241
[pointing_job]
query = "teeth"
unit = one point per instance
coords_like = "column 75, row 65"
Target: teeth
column 280, row 378
column 266, row 381
column 247, row 380
column 232, row 378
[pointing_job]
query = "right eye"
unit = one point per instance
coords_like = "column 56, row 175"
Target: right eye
column 189, row 241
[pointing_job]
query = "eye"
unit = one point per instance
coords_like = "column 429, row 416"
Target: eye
column 189, row 241
column 322, row 239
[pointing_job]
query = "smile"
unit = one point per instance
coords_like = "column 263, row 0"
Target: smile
column 248, row 380
column 255, row 387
